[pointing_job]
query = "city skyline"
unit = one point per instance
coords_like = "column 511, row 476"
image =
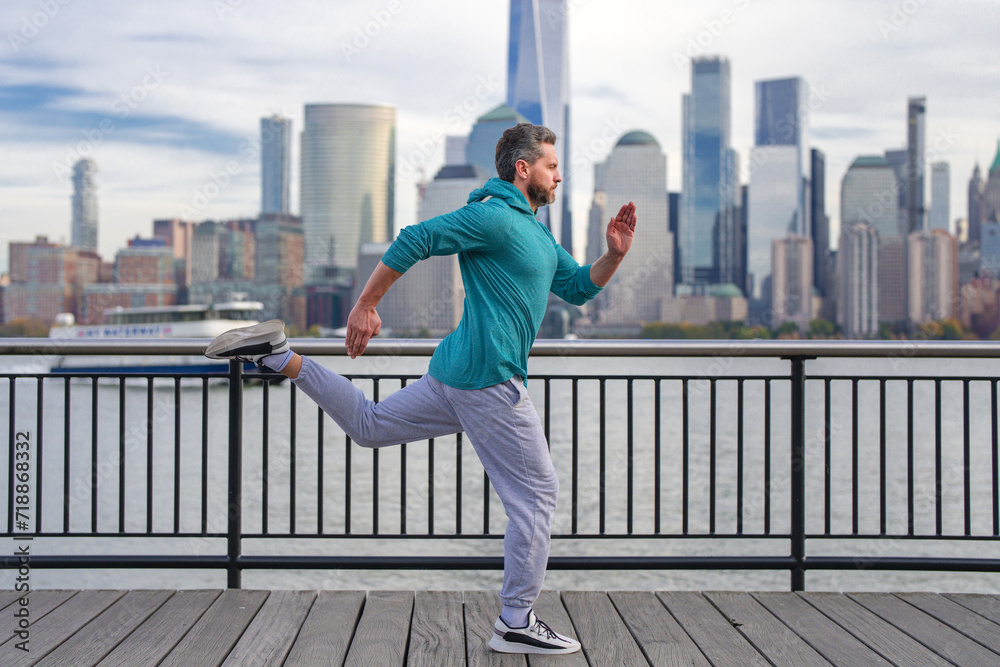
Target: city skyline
column 173, row 95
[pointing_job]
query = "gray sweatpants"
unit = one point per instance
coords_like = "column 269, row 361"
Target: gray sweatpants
column 505, row 431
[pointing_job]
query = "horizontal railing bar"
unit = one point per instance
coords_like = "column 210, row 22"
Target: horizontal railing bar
column 541, row 348
column 92, row 562
column 901, row 563
column 499, row 536
column 496, row 562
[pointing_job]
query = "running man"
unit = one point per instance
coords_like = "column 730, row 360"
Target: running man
column 476, row 380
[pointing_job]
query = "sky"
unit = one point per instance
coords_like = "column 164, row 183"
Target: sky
column 163, row 96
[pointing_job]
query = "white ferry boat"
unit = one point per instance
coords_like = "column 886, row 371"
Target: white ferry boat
column 189, row 321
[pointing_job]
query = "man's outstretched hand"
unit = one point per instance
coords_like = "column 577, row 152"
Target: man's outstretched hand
column 621, row 230
column 362, row 324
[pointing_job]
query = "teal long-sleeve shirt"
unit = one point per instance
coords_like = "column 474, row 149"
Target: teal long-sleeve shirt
column 509, row 262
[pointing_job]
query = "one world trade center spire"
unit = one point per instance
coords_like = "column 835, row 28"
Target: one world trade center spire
column 538, row 89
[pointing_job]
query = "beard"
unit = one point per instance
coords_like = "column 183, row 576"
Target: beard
column 539, row 196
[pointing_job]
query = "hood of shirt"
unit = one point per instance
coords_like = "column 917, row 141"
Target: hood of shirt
column 501, row 189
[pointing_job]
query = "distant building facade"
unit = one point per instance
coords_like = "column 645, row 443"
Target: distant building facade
column 275, row 164
column 347, row 180
column 83, row 231
column 636, row 170
column 940, row 213
column 933, row 283
column 857, row 262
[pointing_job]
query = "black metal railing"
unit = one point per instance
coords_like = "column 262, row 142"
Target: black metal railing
column 787, row 455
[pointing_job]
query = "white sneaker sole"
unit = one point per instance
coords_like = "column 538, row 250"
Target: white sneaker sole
column 224, row 344
column 504, row 646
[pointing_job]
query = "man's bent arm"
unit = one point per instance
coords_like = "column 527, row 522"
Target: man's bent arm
column 364, row 322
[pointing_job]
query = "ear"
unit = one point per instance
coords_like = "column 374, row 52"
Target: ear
column 521, row 168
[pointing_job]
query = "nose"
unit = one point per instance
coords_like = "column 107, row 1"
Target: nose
column 558, row 178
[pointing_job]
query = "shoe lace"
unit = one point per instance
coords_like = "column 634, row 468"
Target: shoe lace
column 541, row 628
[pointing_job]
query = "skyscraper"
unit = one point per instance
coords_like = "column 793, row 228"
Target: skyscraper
column 975, row 205
column 777, row 175
column 275, row 164
column 792, row 281
column 709, row 196
column 635, row 171
column 916, row 112
column 991, row 191
column 481, row 147
column 819, row 221
column 898, row 160
column 538, row 88
column 868, row 195
column 83, row 232
column 940, row 215
column 858, row 306
column 933, row 265
column 347, row 182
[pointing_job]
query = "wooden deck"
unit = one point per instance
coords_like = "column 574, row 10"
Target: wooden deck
column 250, row 627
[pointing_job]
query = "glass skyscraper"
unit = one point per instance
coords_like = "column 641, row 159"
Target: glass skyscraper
column 778, row 164
column 347, row 182
column 538, row 89
column 916, row 114
column 708, row 243
column 940, row 213
column 83, row 231
column 275, row 162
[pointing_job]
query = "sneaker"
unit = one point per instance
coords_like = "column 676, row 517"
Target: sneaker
column 537, row 637
column 249, row 344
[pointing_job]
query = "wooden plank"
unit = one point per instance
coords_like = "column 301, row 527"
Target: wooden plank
column 152, row 640
column 605, row 639
column 721, row 643
column 984, row 605
column 217, row 631
column 550, row 609
column 829, row 639
column 964, row 620
column 55, row 627
column 101, row 635
column 662, row 640
column 269, row 636
column 383, row 630
column 769, row 635
column 8, row 598
column 481, row 611
column 437, row 633
column 884, row 638
column 40, row 603
column 926, row 629
column 326, row 633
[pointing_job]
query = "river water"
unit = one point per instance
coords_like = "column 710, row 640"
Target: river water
column 177, row 417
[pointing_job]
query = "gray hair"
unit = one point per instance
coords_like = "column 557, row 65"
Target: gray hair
column 521, row 142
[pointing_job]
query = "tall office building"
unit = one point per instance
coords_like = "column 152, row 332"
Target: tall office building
column 83, row 233
column 347, row 181
column 636, row 170
column 989, row 256
column 991, row 191
column 933, row 265
column 819, row 221
column 868, row 195
column 454, row 149
column 275, row 164
column 940, row 215
column 916, row 148
column 777, row 198
column 481, row 147
column 858, row 305
column 792, row 281
column 898, row 160
column 975, row 205
column 710, row 184
column 538, row 89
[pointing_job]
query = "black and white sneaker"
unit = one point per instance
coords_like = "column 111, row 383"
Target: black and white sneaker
column 537, row 637
column 249, row 344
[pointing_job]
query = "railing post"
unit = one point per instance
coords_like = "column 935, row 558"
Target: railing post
column 798, row 470
column 235, row 497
